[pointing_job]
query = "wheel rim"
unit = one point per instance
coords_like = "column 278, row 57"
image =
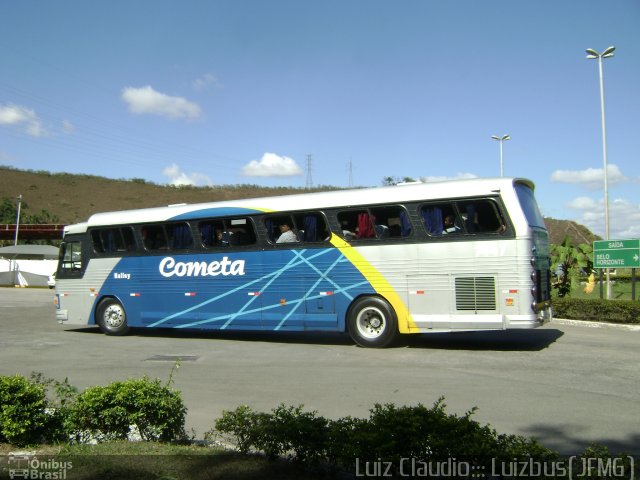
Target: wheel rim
column 113, row 316
column 371, row 322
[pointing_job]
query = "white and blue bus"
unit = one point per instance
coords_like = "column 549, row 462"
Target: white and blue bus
column 435, row 257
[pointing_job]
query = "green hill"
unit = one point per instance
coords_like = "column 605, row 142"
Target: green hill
column 74, row 198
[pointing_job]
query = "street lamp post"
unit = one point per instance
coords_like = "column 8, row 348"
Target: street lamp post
column 501, row 139
column 15, row 241
column 592, row 54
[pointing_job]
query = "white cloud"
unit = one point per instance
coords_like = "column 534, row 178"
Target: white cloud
column 624, row 216
column 147, row 100
column 591, row 178
column 68, row 127
column 205, row 81
column 459, row 176
column 582, row 203
column 272, row 165
column 177, row 177
column 24, row 117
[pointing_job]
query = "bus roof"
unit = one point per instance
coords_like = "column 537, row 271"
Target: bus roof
column 305, row 201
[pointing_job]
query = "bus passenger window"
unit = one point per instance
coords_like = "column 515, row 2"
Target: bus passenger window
column 482, row 216
column 433, row 219
column 390, row 221
column 97, row 241
column 240, row 231
column 311, row 227
column 154, row 237
column 349, row 225
column 281, row 229
column 111, row 240
column 357, row 225
column 180, row 236
column 441, row 219
column 213, row 234
column 128, row 238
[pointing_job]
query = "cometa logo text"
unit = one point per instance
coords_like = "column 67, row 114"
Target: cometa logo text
column 169, row 267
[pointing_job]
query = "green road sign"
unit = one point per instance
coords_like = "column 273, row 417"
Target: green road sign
column 616, row 254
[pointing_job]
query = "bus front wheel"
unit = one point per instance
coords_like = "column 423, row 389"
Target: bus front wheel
column 112, row 318
column 372, row 322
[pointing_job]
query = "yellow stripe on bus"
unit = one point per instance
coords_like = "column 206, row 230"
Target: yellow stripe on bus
column 378, row 282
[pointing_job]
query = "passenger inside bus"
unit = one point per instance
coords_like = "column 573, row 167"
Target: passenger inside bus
column 450, row 225
column 286, row 234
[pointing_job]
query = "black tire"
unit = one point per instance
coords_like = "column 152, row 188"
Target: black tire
column 111, row 317
column 372, row 322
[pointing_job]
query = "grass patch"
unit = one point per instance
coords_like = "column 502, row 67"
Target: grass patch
column 620, row 288
column 134, row 460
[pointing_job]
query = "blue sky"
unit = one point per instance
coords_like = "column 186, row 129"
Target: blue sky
column 226, row 92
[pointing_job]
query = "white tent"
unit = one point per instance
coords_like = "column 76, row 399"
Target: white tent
column 25, row 265
column 29, row 252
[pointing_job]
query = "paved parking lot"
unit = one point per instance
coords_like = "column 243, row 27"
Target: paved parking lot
column 567, row 385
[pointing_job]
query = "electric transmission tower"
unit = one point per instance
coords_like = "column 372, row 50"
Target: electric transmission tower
column 309, row 184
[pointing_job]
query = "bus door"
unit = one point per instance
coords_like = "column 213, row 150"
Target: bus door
column 74, row 296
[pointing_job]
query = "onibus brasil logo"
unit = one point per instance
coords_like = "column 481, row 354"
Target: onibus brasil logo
column 32, row 467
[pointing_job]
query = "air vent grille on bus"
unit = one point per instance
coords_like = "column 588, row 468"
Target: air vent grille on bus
column 475, row 293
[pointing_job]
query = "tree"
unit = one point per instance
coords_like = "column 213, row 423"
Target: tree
column 567, row 262
column 388, row 181
column 8, row 210
column 9, row 213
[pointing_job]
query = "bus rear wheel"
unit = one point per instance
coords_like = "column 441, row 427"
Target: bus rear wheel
column 112, row 317
column 372, row 322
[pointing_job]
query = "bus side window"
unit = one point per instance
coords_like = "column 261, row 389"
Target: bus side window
column 96, row 241
column 154, row 237
column 276, row 234
column 357, row 225
column 213, row 234
column 348, row 224
column 241, row 231
column 390, row 221
column 441, row 219
column 312, row 227
column 180, row 236
column 482, row 216
column 110, row 240
column 129, row 239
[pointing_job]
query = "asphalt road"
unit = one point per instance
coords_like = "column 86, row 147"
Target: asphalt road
column 566, row 385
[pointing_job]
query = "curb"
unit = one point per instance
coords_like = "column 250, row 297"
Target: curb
column 588, row 324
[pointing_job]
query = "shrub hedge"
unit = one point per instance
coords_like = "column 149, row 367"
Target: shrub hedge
column 613, row 311
column 142, row 407
column 390, row 434
column 138, row 406
column 23, row 417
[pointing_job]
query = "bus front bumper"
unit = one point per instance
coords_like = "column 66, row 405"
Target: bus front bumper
column 62, row 315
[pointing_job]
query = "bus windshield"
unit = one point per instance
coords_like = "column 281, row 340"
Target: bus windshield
column 529, row 205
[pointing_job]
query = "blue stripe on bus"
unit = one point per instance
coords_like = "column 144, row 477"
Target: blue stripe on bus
column 296, row 294
column 215, row 212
